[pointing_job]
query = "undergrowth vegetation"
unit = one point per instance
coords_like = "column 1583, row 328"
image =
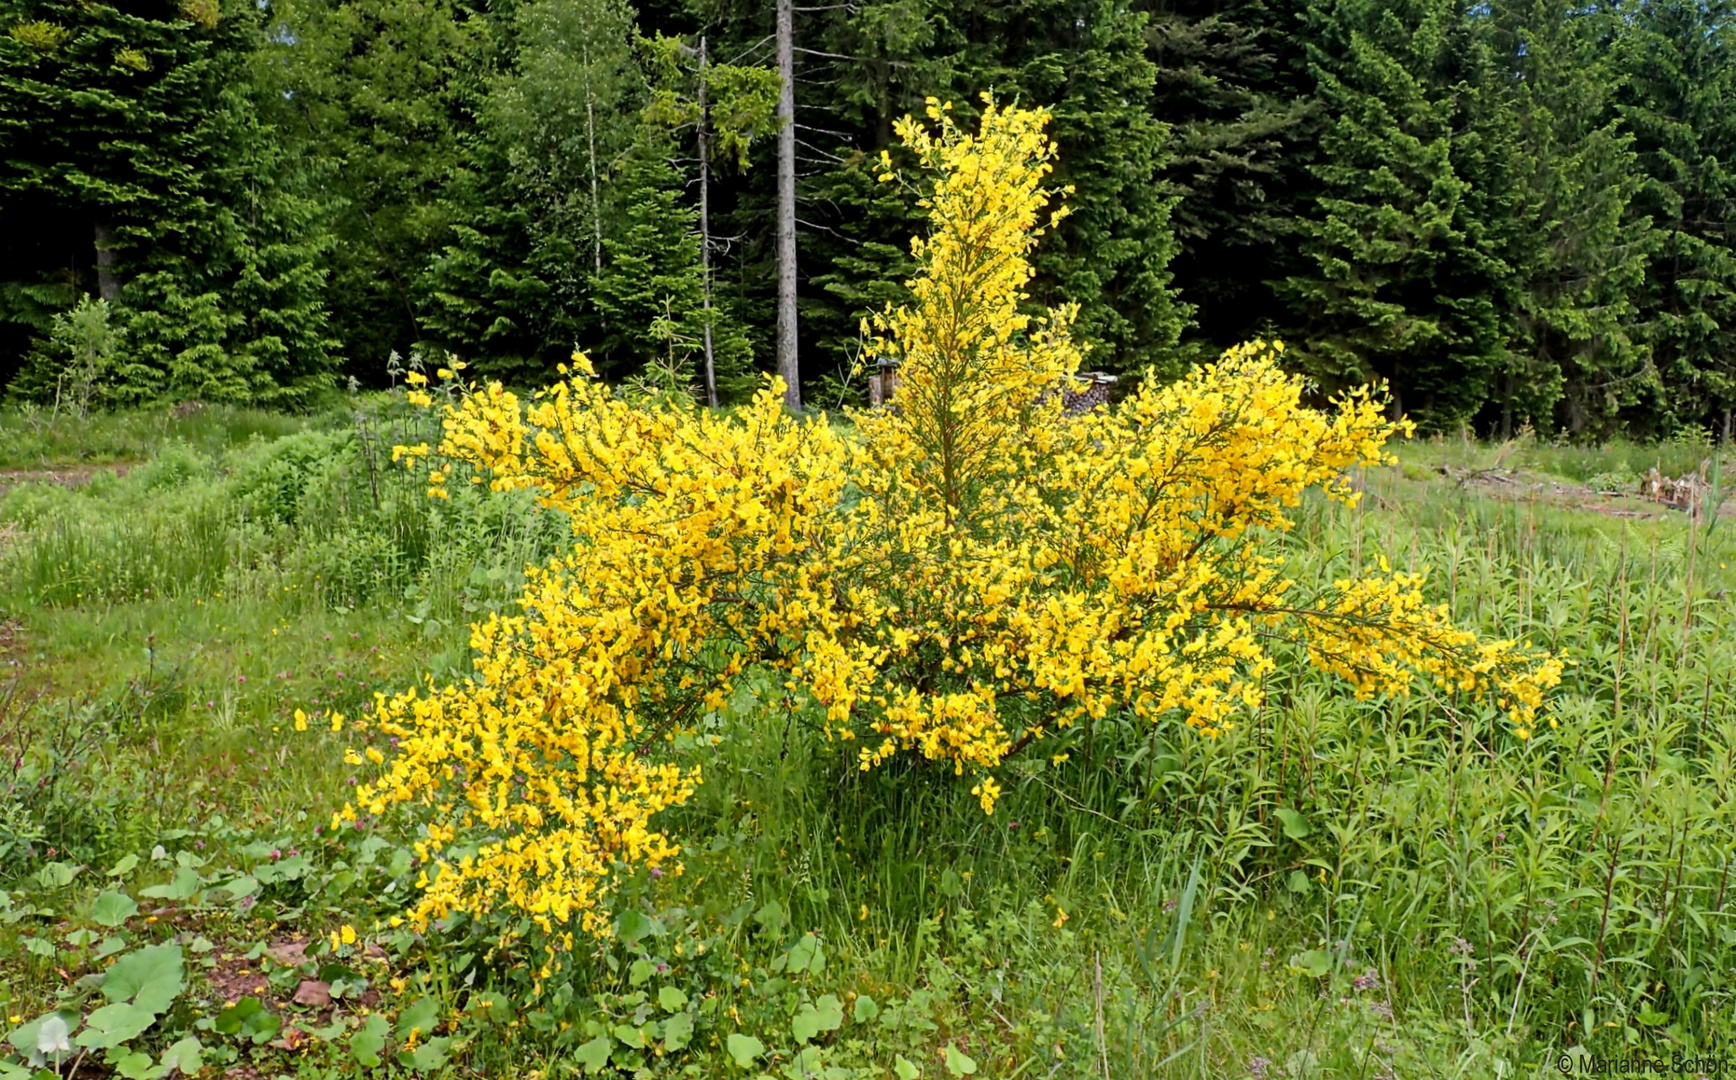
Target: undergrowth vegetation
column 1396, row 884
column 1339, row 886
column 33, row 437
column 320, row 514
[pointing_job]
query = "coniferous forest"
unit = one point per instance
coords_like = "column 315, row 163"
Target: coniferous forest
column 1516, row 212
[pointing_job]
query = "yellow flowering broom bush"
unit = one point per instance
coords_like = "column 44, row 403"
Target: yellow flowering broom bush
column 971, row 572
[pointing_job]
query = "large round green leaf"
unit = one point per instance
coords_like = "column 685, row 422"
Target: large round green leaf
column 149, row 978
column 113, row 908
column 113, row 1025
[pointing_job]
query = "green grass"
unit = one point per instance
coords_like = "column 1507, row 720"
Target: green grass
column 1576, row 462
column 1337, row 888
column 40, row 439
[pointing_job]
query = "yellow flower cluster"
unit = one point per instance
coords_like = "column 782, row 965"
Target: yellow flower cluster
column 535, row 776
column 974, row 571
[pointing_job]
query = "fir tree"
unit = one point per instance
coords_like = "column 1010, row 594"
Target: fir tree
column 856, row 254
column 133, row 165
column 1679, row 99
column 1577, row 254
column 1403, row 278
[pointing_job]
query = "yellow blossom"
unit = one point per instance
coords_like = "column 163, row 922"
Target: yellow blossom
column 974, row 572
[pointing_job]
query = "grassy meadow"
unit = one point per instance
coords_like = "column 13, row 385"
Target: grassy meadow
column 1335, row 888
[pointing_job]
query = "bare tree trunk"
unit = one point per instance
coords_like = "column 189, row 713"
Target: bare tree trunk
column 108, row 286
column 705, row 223
column 787, row 367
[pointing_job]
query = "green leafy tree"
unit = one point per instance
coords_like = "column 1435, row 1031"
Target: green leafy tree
column 73, row 366
column 565, row 114
column 371, row 92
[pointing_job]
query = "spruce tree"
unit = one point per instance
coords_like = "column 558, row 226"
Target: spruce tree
column 133, row 165
column 1678, row 97
column 724, row 107
column 1577, row 253
column 483, row 295
column 538, row 192
column 1087, row 61
column 1403, row 277
column 370, row 92
column 649, row 289
column 861, row 270
column 1233, row 86
column 856, row 249
column 859, row 67
column 231, row 305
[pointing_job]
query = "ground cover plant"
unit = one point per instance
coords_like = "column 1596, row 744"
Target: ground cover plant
column 1416, row 879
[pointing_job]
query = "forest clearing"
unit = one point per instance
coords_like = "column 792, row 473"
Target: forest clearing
column 1197, row 734
column 1055, row 539
column 1337, row 888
